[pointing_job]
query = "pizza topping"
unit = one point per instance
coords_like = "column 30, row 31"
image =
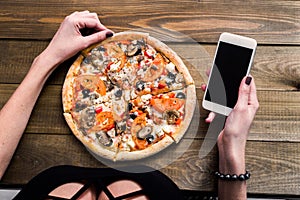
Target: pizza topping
column 120, row 127
column 104, row 138
column 149, row 53
column 119, row 93
column 144, row 132
column 138, row 123
column 132, row 115
column 168, row 129
column 140, row 85
column 171, row 76
column 150, row 139
column 145, row 98
column 139, row 58
column 105, row 120
column 171, row 67
column 180, row 95
column 171, row 116
column 130, row 106
column 179, row 78
column 119, row 108
column 156, row 69
column 79, row 106
column 85, row 93
column 114, row 50
column 87, row 118
column 164, row 104
column 133, row 50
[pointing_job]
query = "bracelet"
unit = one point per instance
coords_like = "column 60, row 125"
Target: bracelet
column 234, row 177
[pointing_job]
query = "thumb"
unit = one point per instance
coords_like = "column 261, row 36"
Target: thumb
column 244, row 91
column 98, row 37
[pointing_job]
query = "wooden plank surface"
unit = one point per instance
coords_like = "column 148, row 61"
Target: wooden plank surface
column 267, row 21
column 273, row 149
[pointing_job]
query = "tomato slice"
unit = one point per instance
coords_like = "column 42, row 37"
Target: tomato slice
column 164, row 104
column 91, row 82
column 138, row 123
column 101, row 87
column 155, row 70
column 140, row 144
column 105, row 120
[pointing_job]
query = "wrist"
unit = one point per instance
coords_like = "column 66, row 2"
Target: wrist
column 41, row 68
column 49, row 59
column 231, row 158
column 44, row 64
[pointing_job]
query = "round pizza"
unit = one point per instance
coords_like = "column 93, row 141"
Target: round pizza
column 128, row 97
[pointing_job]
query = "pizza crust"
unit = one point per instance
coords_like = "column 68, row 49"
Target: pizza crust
column 190, row 105
column 67, row 90
column 149, row 151
column 174, row 58
column 118, row 37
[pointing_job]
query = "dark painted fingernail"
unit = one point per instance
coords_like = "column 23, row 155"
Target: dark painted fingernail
column 109, row 34
column 248, row 80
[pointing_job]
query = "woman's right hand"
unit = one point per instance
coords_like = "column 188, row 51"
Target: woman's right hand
column 232, row 139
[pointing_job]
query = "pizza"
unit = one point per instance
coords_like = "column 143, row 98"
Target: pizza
column 128, row 97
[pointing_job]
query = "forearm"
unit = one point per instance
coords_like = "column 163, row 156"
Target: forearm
column 232, row 161
column 15, row 113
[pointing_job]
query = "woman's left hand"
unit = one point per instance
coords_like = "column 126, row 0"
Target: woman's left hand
column 69, row 39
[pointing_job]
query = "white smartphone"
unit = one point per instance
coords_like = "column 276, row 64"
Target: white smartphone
column 232, row 61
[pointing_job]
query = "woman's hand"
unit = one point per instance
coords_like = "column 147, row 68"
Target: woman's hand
column 232, row 139
column 69, row 39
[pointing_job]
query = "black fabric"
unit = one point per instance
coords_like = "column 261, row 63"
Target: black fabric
column 155, row 184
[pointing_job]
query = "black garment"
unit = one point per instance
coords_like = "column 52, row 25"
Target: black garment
column 155, row 185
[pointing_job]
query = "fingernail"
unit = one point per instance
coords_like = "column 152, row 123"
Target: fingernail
column 248, row 80
column 109, row 34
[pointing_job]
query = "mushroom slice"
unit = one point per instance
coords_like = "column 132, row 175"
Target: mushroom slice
column 171, row 116
column 144, row 132
column 179, row 78
column 87, row 117
column 104, row 138
column 132, row 50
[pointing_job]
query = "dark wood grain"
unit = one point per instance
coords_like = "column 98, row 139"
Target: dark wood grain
column 268, row 22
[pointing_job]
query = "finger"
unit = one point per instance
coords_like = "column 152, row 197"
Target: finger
column 97, row 37
column 210, row 117
column 90, row 23
column 94, row 16
column 203, row 87
column 244, row 91
column 84, row 12
column 208, row 71
column 253, row 95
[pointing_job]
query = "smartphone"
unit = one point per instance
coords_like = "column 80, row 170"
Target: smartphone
column 232, row 61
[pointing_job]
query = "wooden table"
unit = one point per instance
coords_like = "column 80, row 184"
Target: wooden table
column 273, row 148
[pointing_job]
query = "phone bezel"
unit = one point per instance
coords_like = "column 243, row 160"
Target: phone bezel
column 235, row 40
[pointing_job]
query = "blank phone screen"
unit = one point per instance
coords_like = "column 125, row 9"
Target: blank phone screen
column 231, row 65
